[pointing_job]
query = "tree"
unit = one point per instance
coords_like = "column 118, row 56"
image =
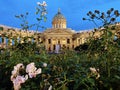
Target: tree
column 107, row 58
column 106, row 18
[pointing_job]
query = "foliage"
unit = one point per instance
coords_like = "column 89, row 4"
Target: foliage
column 24, row 25
column 66, row 71
column 82, row 47
column 106, row 18
column 41, row 16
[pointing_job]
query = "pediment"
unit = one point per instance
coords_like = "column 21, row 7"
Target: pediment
column 58, row 31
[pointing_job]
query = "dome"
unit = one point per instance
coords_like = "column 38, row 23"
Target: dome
column 59, row 21
column 58, row 16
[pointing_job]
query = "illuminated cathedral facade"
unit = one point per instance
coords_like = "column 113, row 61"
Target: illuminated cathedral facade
column 60, row 34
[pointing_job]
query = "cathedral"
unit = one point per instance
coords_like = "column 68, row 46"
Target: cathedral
column 58, row 35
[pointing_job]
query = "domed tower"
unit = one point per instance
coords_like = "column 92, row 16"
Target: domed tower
column 59, row 21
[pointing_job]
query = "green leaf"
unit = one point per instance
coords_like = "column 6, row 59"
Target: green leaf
column 21, row 25
column 109, row 33
column 27, row 13
column 36, row 12
column 22, row 15
column 17, row 16
column 116, row 76
column 38, row 19
column 64, row 87
column 45, row 19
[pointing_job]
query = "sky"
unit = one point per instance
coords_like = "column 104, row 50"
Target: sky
column 73, row 10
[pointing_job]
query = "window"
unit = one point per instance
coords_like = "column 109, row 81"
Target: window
column 49, row 48
column 68, row 41
column 49, row 41
column 64, row 46
column 58, row 41
column 68, row 47
column 53, row 47
column 73, row 46
column 79, row 41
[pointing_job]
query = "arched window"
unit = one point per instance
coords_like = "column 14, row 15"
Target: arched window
column 49, row 41
column 68, row 41
column 49, row 48
column 73, row 46
column 58, row 41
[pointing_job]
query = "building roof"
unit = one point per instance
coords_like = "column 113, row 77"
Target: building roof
column 59, row 15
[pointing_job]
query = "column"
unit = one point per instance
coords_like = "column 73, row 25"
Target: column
column 15, row 40
column 46, row 44
column 51, row 45
column 29, row 39
column 71, row 43
column 37, row 40
column 18, row 39
column 4, row 42
column 83, row 40
column 10, row 41
column 21, row 40
column 54, row 25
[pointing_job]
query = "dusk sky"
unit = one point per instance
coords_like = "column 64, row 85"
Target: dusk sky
column 73, row 10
